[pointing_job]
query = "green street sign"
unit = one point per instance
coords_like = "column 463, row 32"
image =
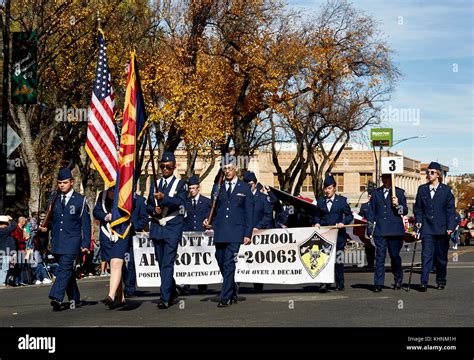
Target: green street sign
column 24, row 77
column 381, row 137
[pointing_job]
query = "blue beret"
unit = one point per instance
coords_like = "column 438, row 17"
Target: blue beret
column 193, row 180
column 168, row 157
column 64, row 174
column 329, row 180
column 249, row 176
column 434, row 165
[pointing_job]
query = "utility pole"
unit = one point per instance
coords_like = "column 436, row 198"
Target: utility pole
column 5, row 107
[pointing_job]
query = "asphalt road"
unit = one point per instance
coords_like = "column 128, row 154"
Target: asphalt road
column 276, row 306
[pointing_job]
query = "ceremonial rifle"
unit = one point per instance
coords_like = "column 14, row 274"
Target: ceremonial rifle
column 218, row 183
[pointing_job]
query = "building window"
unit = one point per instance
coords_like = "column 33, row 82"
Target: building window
column 307, row 184
column 339, row 182
column 364, row 179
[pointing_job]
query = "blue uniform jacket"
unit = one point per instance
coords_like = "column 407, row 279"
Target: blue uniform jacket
column 340, row 213
column 388, row 222
column 436, row 215
column 176, row 205
column 234, row 215
column 99, row 213
column 71, row 227
column 139, row 214
column 364, row 210
column 263, row 210
column 195, row 217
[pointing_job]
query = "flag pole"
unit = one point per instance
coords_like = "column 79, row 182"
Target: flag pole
column 152, row 160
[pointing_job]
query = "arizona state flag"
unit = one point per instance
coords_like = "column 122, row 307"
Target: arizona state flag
column 132, row 126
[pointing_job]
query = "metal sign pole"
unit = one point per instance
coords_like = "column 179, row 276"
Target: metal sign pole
column 5, row 108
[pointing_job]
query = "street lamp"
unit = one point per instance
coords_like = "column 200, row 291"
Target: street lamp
column 396, row 142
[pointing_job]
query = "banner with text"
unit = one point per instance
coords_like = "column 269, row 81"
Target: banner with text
column 276, row 256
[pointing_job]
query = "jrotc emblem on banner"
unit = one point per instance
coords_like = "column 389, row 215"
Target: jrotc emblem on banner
column 315, row 254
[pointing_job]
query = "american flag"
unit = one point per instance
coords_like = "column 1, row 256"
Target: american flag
column 101, row 143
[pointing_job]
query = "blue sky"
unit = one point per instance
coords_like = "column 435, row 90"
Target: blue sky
column 433, row 47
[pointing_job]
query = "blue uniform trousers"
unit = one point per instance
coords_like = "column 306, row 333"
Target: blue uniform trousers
column 339, row 266
column 65, row 280
column 226, row 256
column 393, row 244
column 434, row 248
column 128, row 273
column 165, row 251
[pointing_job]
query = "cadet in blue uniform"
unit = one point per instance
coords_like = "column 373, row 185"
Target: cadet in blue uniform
column 139, row 223
column 71, row 235
column 334, row 210
column 232, row 226
column 435, row 215
column 166, row 205
column 386, row 210
column 368, row 247
column 103, row 212
column 114, row 252
column 197, row 209
column 262, row 211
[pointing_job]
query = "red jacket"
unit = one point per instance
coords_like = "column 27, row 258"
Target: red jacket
column 20, row 240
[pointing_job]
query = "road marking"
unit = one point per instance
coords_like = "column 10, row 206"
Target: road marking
column 460, row 252
column 315, row 297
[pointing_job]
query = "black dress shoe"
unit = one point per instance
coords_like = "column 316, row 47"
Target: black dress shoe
column 163, row 305
column 175, row 294
column 181, row 291
column 56, row 305
column 377, row 288
column 441, row 287
column 202, row 289
column 222, row 304
column 323, row 288
column 423, row 288
column 340, row 288
column 74, row 304
column 117, row 304
column 397, row 286
column 108, row 301
column 130, row 295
